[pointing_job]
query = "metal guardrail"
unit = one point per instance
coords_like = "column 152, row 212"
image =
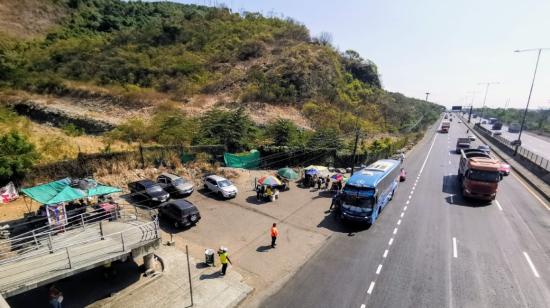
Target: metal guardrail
column 97, row 246
column 535, row 159
column 37, row 239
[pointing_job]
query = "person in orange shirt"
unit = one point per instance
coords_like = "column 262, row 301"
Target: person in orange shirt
column 274, row 234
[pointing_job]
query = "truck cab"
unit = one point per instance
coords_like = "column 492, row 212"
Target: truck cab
column 445, row 125
column 479, row 177
column 462, row 143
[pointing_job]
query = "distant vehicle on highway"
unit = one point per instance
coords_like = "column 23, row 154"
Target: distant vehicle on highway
column 445, row 125
column 483, row 122
column 220, row 186
column 514, row 128
column 368, row 191
column 485, row 148
column 181, row 213
column 175, row 185
column 497, row 126
column 472, row 137
column 148, row 192
column 492, row 120
column 462, row 143
column 497, row 133
column 479, row 177
column 504, row 168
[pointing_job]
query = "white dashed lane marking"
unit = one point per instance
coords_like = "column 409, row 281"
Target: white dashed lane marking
column 390, row 242
column 379, row 269
column 498, row 205
column 455, row 253
column 371, row 287
column 535, row 272
column 385, row 253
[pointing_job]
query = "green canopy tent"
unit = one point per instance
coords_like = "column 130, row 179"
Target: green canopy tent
column 62, row 191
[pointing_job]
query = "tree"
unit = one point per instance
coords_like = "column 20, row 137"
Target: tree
column 283, row 132
column 325, row 38
column 234, row 129
column 17, row 155
column 325, row 138
column 364, row 70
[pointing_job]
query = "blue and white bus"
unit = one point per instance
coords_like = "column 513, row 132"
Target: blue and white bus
column 368, row 191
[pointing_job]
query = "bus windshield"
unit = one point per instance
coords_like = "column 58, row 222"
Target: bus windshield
column 484, row 176
column 358, row 196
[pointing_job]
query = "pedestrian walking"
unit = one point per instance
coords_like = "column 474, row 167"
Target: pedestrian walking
column 224, row 259
column 258, row 192
column 274, row 234
column 327, row 182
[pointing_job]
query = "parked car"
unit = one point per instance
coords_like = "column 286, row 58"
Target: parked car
column 485, row 148
column 148, row 192
column 175, row 185
column 504, row 168
column 221, row 186
column 180, row 212
column 472, row 137
column 459, row 121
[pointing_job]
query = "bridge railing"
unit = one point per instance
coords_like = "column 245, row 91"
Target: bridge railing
column 27, row 268
column 50, row 236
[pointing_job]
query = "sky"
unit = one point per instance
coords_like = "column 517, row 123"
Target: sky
column 443, row 47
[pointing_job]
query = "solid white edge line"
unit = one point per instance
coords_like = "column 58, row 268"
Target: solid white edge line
column 532, row 192
column 390, row 242
column 531, row 265
column 498, row 205
column 455, row 254
column 378, row 269
column 394, row 230
column 369, row 291
column 385, row 253
column 427, row 155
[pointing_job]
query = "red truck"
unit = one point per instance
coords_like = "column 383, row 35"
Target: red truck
column 479, row 177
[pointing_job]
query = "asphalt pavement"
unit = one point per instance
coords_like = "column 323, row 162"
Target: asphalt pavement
column 432, row 248
column 537, row 144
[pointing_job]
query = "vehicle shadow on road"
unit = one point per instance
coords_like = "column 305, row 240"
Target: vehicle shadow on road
column 254, row 200
column 450, row 184
column 332, row 223
column 209, row 194
column 459, row 200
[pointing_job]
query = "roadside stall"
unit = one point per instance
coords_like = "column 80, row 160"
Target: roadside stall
column 67, row 198
column 313, row 175
column 268, row 188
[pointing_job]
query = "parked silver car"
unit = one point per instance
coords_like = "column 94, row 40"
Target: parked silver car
column 220, row 186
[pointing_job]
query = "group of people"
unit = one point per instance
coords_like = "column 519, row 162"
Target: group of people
column 266, row 192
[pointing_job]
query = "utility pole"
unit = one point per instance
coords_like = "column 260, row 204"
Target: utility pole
column 427, row 94
column 471, row 106
column 487, row 84
column 354, row 149
column 529, row 98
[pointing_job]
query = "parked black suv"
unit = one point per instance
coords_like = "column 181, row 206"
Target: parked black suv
column 175, row 185
column 181, row 212
column 148, row 192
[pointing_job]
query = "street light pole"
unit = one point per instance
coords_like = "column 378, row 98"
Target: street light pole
column 427, row 94
column 487, row 84
column 471, row 106
column 529, row 97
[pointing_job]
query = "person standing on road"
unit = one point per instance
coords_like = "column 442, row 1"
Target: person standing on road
column 55, row 296
column 274, row 234
column 224, row 258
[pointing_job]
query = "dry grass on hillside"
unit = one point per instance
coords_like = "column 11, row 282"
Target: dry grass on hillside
column 29, row 18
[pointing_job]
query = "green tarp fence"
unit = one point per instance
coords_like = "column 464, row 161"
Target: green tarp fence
column 246, row 161
column 61, row 191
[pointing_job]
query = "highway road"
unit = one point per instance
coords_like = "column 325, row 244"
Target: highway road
column 431, row 248
column 537, row 144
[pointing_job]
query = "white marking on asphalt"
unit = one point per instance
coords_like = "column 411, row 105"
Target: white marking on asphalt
column 427, row 155
column 394, row 230
column 390, row 242
column 405, row 208
column 498, row 205
column 378, row 269
column 402, row 214
column 369, row 291
column 532, row 193
column 449, row 162
column 407, row 202
column 410, row 196
column 455, row 255
column 363, row 306
column 531, row 265
column 385, row 254
column 451, row 199
column 399, row 222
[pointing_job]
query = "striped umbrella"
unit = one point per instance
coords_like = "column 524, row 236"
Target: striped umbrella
column 269, row 180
